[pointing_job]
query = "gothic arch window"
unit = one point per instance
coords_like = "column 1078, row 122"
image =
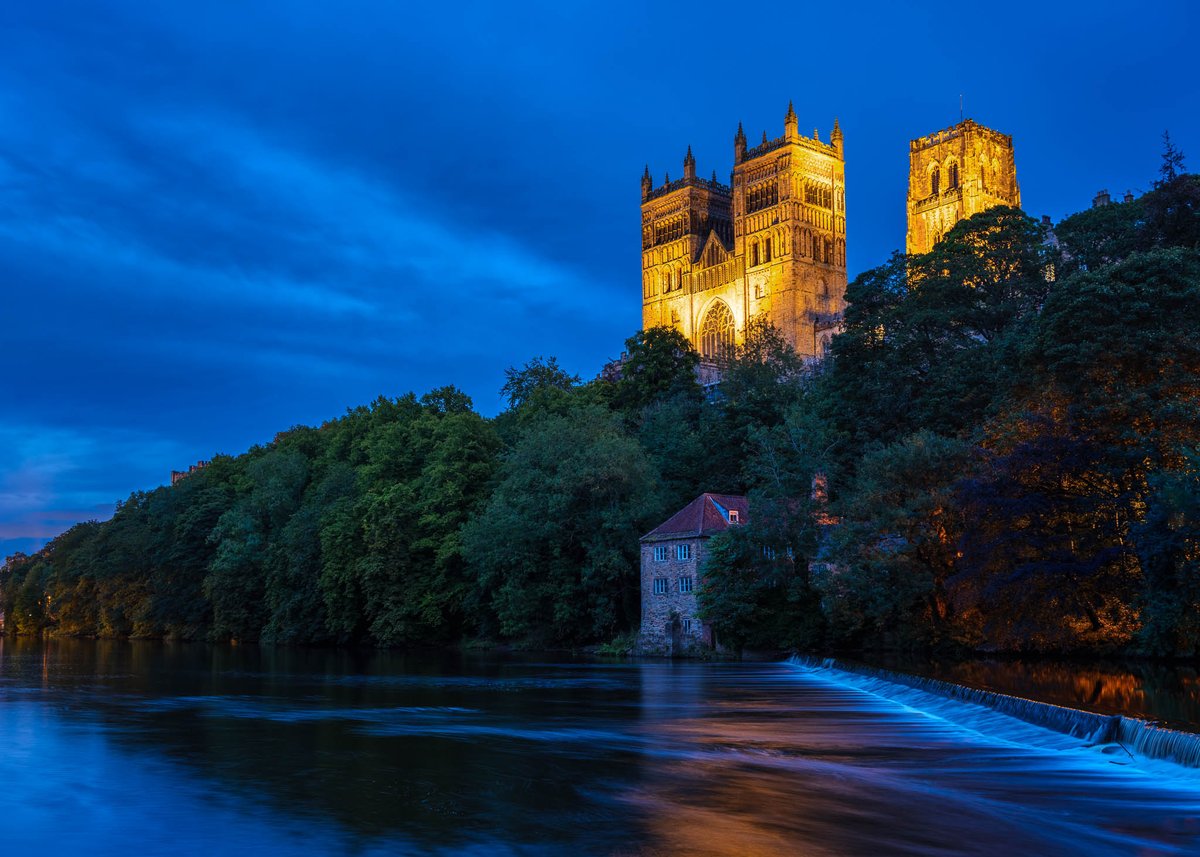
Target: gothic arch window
column 717, row 332
column 935, row 179
column 952, row 175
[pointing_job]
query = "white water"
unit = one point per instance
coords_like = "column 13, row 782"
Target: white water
column 1118, row 735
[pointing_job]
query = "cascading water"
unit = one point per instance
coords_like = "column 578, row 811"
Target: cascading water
column 1141, row 737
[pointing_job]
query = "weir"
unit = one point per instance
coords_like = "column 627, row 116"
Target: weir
column 1137, row 736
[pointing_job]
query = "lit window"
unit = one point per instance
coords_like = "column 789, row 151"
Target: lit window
column 733, row 516
column 683, row 552
column 717, row 331
column 685, row 584
column 660, row 553
column 660, row 586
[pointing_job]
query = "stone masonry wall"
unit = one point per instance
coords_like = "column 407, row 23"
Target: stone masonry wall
column 662, row 630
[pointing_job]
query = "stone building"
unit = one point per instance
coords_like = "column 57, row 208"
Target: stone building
column 178, row 476
column 772, row 243
column 955, row 174
column 672, row 555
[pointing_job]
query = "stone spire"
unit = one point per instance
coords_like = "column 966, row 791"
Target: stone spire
column 739, row 145
column 689, row 165
column 647, row 183
column 791, row 125
column 836, row 136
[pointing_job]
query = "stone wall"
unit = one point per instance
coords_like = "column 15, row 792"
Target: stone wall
column 986, row 172
column 781, row 253
column 663, row 616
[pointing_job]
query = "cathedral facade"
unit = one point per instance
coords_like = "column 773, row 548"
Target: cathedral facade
column 954, row 174
column 770, row 244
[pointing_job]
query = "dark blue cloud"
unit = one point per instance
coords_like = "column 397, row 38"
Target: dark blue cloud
column 220, row 220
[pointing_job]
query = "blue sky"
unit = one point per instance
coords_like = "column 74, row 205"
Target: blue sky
column 220, row 220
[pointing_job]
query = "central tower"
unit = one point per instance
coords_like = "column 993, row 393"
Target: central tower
column 954, row 174
column 771, row 243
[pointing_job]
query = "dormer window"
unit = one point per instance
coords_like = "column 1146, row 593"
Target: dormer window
column 733, row 516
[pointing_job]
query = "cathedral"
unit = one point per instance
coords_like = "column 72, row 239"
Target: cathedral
column 770, row 244
column 954, row 174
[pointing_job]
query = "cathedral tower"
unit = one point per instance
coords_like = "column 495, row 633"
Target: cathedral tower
column 772, row 243
column 954, row 174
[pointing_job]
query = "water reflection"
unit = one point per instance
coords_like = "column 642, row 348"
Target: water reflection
column 1156, row 691
column 189, row 749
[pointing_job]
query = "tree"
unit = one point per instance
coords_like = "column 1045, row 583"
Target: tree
column 931, row 342
column 1102, row 235
column 1173, row 207
column 1168, row 545
column 535, row 378
column 555, row 549
column 757, row 592
column 890, row 561
column 1172, row 162
column 659, row 363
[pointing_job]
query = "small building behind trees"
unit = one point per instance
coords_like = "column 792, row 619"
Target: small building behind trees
column 672, row 555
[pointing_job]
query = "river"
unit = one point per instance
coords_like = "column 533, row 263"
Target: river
column 187, row 749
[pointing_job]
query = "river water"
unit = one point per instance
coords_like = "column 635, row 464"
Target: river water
column 149, row 748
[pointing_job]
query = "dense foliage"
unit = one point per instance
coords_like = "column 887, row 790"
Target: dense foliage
column 1002, row 451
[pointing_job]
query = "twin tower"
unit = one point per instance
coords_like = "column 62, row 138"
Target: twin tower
column 772, row 244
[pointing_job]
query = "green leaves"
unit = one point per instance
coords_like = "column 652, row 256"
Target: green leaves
column 555, row 549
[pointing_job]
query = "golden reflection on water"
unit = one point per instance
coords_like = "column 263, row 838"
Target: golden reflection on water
column 1164, row 692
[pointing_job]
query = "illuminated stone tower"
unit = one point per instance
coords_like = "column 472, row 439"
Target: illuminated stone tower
column 772, row 244
column 954, row 174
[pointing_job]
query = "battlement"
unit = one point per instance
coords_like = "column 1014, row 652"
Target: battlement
column 956, row 173
column 179, row 475
column 679, row 184
column 814, row 143
column 954, row 131
column 771, row 244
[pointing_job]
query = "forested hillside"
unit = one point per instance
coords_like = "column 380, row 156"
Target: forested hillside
column 1009, row 429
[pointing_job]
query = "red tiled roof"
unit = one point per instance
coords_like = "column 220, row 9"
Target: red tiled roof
column 706, row 515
